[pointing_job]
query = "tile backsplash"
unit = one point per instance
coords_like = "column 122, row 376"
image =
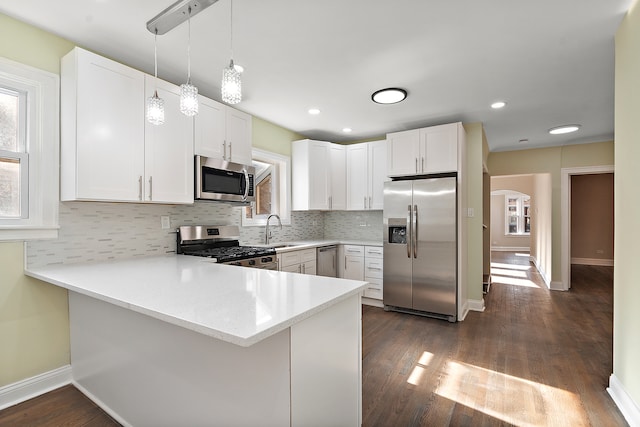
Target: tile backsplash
column 92, row 231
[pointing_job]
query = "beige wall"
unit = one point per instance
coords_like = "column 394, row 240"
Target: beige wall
column 626, row 316
column 473, row 171
column 592, row 216
column 270, row 137
column 34, row 325
column 550, row 161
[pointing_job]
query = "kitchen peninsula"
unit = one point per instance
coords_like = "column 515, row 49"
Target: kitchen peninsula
column 177, row 340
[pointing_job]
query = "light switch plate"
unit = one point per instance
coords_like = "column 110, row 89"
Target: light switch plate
column 165, row 221
column 470, row 212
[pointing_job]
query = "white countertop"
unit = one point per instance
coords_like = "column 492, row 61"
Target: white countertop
column 235, row 304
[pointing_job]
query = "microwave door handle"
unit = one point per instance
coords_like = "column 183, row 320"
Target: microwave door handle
column 246, row 185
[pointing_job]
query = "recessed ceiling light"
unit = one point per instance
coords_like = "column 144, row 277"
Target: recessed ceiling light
column 389, row 95
column 314, row 111
column 347, row 130
column 239, row 68
column 523, row 141
column 559, row 130
column 498, row 104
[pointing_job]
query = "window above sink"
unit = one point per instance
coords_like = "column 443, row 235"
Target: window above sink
column 272, row 187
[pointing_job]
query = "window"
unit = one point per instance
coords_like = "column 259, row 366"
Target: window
column 273, row 189
column 517, row 214
column 28, row 152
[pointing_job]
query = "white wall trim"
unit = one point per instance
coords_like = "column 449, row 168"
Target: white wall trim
column 510, row 248
column 372, row 302
column 543, row 273
column 29, row 388
column 592, row 261
column 623, row 401
column 113, row 414
column 565, row 216
column 463, row 311
column 476, row 304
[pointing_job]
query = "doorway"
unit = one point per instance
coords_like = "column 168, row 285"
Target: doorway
column 566, row 214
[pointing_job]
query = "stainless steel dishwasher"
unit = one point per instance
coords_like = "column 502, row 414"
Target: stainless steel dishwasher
column 327, row 258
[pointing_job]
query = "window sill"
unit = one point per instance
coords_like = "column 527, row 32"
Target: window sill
column 27, row 233
column 517, row 234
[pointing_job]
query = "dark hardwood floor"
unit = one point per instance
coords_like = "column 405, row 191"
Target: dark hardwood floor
column 534, row 358
column 65, row 406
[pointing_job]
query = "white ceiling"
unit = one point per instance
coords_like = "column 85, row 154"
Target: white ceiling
column 551, row 60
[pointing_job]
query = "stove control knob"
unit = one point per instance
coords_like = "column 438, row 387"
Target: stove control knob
column 267, row 259
column 234, row 263
column 252, row 262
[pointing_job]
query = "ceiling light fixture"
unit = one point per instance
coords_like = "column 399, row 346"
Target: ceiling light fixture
column 498, row 105
column 231, row 84
column 389, row 95
column 347, row 130
column 188, row 92
column 155, row 104
column 176, row 14
column 561, row 130
column 313, row 111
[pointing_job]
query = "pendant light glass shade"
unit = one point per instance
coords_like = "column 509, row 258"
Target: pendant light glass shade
column 188, row 99
column 188, row 92
column 155, row 104
column 155, row 109
column 231, row 85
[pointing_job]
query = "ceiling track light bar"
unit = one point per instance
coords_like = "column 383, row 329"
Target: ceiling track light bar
column 176, row 14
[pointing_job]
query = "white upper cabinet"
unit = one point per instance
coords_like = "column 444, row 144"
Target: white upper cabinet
column 108, row 150
column 366, row 173
column 168, row 149
column 222, row 132
column 338, row 177
column 318, row 175
column 424, row 151
column 102, row 129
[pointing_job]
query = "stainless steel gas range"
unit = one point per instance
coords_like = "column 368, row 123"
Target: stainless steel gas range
column 221, row 244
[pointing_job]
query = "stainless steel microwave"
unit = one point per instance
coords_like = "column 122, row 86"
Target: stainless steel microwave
column 219, row 180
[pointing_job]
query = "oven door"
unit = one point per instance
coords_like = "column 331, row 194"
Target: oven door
column 217, row 179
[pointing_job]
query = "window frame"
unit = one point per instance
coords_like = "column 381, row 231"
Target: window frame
column 40, row 154
column 520, row 210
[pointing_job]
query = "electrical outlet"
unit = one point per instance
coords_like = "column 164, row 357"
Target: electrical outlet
column 600, row 251
column 165, row 222
column 470, row 212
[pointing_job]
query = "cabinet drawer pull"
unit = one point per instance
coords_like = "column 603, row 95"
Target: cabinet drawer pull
column 140, row 188
column 150, row 188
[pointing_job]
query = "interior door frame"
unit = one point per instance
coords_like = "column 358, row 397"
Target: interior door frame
column 565, row 217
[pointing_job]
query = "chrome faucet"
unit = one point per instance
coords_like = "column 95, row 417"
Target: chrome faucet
column 267, row 233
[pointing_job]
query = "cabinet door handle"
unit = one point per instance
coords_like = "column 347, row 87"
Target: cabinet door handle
column 150, row 188
column 416, row 165
column 369, row 202
column 299, row 268
column 230, row 155
column 140, row 188
column 224, row 150
column 345, row 262
column 304, row 269
column 423, row 164
column 365, row 202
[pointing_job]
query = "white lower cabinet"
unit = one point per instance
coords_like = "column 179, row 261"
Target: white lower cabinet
column 363, row 263
column 302, row 261
column 373, row 270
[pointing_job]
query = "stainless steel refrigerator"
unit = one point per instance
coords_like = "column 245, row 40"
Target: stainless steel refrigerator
column 420, row 247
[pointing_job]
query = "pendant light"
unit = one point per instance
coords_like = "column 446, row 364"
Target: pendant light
column 231, row 84
column 188, row 92
column 155, row 104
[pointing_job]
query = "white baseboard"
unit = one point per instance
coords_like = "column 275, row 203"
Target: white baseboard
column 476, row 304
column 29, row 388
column 101, row 404
column 545, row 277
column 464, row 310
column 510, row 248
column 624, row 402
column 592, row 261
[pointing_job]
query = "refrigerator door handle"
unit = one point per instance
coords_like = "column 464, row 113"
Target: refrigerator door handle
column 415, row 231
column 409, row 234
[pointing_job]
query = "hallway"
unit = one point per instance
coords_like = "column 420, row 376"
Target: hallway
column 534, row 358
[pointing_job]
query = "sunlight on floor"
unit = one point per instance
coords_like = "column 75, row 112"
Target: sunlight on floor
column 511, row 266
column 505, row 272
column 513, row 281
column 511, row 399
column 522, row 254
column 418, row 371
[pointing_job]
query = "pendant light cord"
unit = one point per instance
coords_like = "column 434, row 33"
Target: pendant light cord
column 231, row 28
column 189, row 49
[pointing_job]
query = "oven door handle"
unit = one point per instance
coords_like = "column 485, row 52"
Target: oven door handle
column 246, row 185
